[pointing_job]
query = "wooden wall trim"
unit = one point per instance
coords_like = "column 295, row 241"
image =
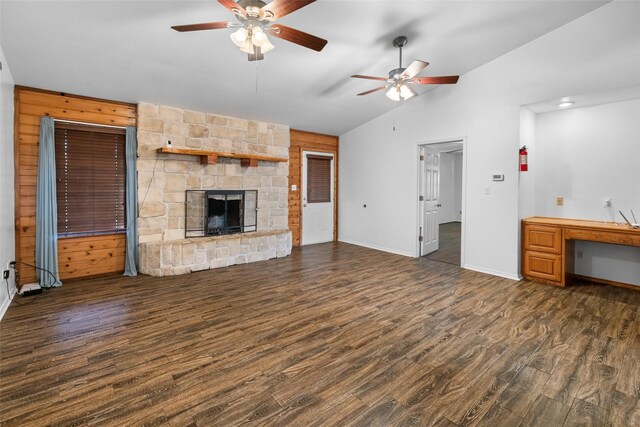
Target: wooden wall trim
column 309, row 141
column 71, row 95
column 80, row 257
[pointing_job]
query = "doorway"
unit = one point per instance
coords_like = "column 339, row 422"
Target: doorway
column 440, row 201
column 318, row 197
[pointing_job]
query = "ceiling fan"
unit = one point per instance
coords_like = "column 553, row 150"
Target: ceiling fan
column 401, row 79
column 255, row 19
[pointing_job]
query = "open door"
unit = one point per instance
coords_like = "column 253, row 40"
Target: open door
column 429, row 200
column 317, row 197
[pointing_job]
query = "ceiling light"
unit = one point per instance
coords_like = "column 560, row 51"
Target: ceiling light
column 239, row 37
column 406, row 92
column 267, row 46
column 565, row 104
column 258, row 37
column 394, row 93
column 400, row 92
column 247, row 47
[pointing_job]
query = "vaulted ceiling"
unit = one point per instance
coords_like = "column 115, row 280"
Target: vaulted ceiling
column 126, row 51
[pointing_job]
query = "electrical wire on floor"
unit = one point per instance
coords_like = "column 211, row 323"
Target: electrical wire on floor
column 55, row 279
column 11, row 298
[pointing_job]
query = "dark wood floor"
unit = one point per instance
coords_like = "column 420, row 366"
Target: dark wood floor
column 334, row 335
column 449, row 244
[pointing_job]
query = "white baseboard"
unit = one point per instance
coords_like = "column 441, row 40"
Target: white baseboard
column 5, row 304
column 493, row 272
column 378, row 248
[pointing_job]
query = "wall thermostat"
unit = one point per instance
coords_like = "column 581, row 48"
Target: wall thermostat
column 498, row 177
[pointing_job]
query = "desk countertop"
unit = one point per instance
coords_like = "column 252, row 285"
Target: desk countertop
column 582, row 224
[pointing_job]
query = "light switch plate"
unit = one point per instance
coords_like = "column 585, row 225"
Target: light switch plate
column 559, row 201
column 294, row 187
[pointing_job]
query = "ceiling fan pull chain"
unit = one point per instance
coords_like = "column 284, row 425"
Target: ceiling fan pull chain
column 256, row 77
column 394, row 116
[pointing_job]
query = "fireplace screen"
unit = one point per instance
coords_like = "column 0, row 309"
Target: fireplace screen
column 217, row 212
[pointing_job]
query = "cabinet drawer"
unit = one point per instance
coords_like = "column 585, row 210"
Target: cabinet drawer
column 540, row 238
column 543, row 266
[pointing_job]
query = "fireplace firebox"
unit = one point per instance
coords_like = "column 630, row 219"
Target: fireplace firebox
column 218, row 212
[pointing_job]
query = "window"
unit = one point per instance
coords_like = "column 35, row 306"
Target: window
column 318, row 179
column 90, row 179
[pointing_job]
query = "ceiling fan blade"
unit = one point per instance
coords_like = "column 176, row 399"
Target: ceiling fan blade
column 204, row 26
column 414, row 68
column 298, row 37
column 359, row 76
column 442, row 80
column 233, row 6
column 280, row 8
column 372, row 90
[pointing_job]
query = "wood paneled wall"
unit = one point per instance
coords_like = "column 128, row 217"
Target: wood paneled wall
column 78, row 256
column 308, row 141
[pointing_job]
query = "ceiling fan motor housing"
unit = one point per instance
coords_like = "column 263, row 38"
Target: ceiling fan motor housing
column 252, row 7
column 395, row 73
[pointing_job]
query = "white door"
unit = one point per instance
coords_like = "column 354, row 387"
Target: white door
column 317, row 197
column 430, row 195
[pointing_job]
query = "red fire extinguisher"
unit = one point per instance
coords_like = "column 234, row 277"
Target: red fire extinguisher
column 524, row 166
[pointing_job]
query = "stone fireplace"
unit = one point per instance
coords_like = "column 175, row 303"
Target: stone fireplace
column 219, row 212
column 175, row 241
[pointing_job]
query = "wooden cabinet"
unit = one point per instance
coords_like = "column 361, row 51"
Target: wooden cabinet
column 543, row 265
column 542, row 253
column 548, row 246
column 543, row 239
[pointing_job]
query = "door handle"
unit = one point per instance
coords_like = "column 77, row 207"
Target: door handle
column 438, row 205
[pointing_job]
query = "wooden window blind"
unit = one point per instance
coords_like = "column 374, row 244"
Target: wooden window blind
column 91, row 179
column 318, row 179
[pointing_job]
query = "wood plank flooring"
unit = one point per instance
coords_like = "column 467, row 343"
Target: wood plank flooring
column 334, row 335
column 449, row 244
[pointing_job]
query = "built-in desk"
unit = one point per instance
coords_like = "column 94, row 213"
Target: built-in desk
column 548, row 246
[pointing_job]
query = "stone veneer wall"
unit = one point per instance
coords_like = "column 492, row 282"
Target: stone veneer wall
column 163, row 178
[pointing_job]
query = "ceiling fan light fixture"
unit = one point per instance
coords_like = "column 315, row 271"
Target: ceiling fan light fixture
column 267, row 46
column 394, row 93
column 239, row 37
column 406, row 92
column 258, row 37
column 247, row 47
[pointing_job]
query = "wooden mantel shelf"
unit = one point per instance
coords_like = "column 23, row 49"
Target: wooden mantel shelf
column 211, row 157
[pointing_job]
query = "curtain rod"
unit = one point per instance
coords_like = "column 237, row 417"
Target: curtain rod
column 89, row 124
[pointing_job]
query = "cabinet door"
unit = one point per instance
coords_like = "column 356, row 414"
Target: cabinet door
column 540, row 238
column 543, row 266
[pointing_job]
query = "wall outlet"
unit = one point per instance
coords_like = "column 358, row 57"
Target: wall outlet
column 5, row 274
column 559, row 201
column 606, row 202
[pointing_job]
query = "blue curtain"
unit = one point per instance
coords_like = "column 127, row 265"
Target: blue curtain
column 46, row 208
column 131, row 260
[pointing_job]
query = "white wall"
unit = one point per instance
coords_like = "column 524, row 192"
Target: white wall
column 596, row 52
column 450, row 187
column 585, row 155
column 7, row 233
